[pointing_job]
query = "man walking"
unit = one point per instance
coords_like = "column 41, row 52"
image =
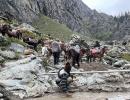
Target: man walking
column 56, row 51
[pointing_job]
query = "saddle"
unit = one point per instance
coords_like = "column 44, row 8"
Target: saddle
column 95, row 50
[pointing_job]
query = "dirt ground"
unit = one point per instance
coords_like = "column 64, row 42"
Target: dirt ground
column 87, row 96
column 96, row 66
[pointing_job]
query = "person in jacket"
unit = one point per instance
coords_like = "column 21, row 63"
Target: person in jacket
column 56, row 51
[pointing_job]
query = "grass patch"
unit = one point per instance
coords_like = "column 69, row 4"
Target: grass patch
column 47, row 25
column 15, row 40
column 5, row 43
column 27, row 33
column 126, row 56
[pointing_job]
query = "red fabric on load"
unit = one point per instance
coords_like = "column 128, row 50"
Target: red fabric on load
column 93, row 51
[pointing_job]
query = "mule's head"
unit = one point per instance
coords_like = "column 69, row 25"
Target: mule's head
column 40, row 41
column 6, row 27
column 104, row 49
column 67, row 67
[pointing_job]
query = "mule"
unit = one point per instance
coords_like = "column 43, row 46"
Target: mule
column 91, row 56
column 5, row 29
column 15, row 34
column 73, row 56
column 32, row 42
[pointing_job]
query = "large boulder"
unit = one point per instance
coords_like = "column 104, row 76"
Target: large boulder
column 95, row 79
column 26, row 26
column 25, row 77
column 8, row 54
column 17, row 47
column 115, row 52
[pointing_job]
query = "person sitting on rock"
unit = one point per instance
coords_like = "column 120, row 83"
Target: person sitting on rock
column 64, row 77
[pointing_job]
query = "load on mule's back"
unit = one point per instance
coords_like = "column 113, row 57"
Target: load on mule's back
column 73, row 54
column 15, row 33
column 94, row 53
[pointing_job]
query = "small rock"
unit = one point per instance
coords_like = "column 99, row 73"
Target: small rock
column 1, row 60
column 120, row 63
column 1, row 95
column 126, row 66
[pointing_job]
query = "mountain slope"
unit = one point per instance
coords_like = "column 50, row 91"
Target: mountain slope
column 48, row 26
column 73, row 13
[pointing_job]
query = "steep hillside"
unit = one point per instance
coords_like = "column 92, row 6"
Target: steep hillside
column 48, row 26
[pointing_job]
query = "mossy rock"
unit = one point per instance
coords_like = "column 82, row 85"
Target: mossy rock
column 27, row 33
column 126, row 56
column 9, row 55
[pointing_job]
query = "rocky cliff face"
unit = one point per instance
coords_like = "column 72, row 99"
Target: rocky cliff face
column 73, row 13
column 24, row 10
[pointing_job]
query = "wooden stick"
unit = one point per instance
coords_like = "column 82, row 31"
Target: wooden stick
column 90, row 72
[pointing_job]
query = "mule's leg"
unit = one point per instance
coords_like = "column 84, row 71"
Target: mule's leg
column 87, row 58
column 54, row 57
column 90, row 59
column 77, row 60
column 81, row 59
column 18, row 36
column 3, row 33
column 73, row 61
column 94, row 58
column 35, row 47
column 100, row 59
column 58, row 57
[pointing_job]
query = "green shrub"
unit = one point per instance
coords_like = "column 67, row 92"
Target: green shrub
column 27, row 33
column 15, row 40
column 5, row 43
column 47, row 25
column 126, row 56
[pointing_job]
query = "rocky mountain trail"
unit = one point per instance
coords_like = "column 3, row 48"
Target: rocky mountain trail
column 25, row 78
column 26, row 75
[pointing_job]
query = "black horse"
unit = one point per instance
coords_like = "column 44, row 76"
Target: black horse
column 32, row 42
